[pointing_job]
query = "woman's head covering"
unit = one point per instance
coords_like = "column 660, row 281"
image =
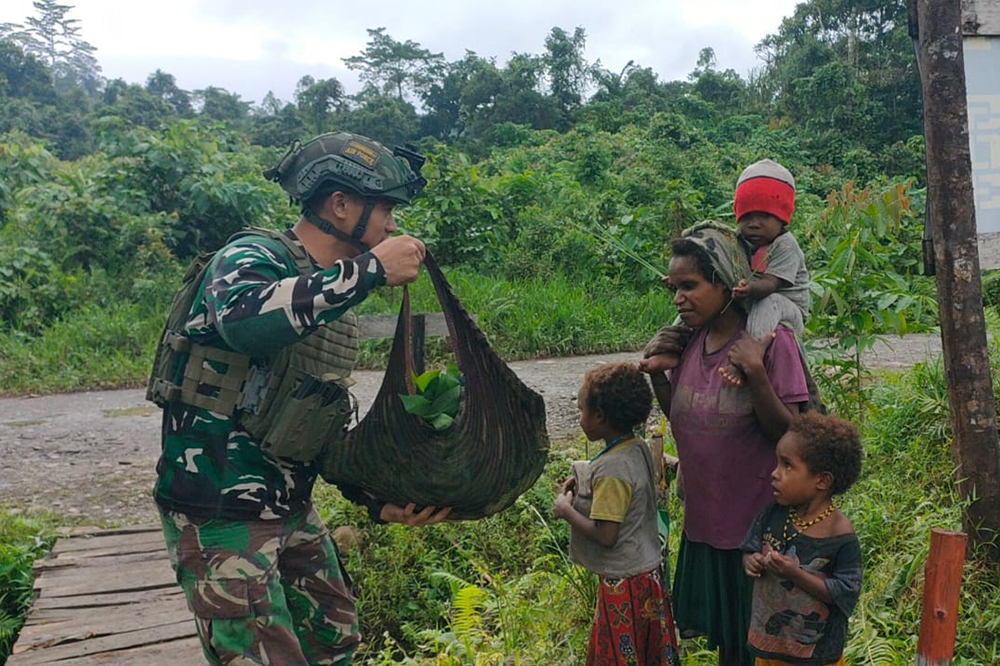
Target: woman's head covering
column 765, row 187
column 720, row 242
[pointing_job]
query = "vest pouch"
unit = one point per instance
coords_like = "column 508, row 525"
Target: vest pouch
column 312, row 413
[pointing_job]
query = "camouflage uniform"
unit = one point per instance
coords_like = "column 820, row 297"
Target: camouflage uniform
column 258, row 568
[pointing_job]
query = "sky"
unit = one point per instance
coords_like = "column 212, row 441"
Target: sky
column 254, row 46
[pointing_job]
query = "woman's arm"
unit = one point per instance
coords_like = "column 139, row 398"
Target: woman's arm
column 774, row 415
column 661, row 389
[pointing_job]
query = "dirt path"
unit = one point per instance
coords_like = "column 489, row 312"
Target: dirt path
column 90, row 456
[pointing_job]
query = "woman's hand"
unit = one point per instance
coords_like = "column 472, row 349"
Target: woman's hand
column 669, row 340
column 392, row 513
column 748, row 352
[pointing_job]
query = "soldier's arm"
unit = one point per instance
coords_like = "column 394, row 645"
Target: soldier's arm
column 257, row 307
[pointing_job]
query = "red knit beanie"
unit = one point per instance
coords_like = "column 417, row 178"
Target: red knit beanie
column 765, row 187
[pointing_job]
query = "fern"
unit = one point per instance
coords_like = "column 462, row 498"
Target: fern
column 466, row 611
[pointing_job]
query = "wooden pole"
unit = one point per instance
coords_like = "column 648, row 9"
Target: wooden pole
column 943, row 581
column 956, row 259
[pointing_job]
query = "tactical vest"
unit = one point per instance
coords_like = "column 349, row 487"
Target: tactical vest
column 293, row 403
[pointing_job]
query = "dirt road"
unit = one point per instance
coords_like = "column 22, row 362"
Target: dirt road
column 90, row 456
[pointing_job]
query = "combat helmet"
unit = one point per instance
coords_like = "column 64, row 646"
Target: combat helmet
column 353, row 163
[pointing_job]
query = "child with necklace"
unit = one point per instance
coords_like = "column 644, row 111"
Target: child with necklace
column 802, row 551
column 610, row 504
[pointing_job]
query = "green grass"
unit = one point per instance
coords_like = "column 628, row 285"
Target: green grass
column 480, row 592
column 22, row 541
column 110, row 345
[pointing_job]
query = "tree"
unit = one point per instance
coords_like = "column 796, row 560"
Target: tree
column 164, row 86
column 137, row 105
column 395, row 66
column 23, row 76
column 382, row 117
column 220, row 104
column 567, row 70
column 723, row 89
column 468, row 89
column 55, row 39
column 862, row 47
column 318, row 101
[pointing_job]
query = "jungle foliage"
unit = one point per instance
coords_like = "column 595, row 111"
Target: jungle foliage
column 547, row 168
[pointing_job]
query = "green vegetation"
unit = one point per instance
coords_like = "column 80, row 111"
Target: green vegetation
column 437, row 398
column 538, row 198
column 22, row 541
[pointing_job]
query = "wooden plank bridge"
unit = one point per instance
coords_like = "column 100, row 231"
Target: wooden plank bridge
column 107, row 597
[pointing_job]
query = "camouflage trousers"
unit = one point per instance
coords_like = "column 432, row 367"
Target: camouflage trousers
column 264, row 592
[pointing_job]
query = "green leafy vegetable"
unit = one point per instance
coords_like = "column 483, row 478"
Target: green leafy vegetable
column 439, row 393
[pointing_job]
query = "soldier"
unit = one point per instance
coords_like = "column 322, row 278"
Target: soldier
column 252, row 372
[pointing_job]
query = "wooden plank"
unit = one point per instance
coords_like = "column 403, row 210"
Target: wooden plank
column 125, row 572
column 94, row 646
column 97, row 601
column 381, row 327
column 91, row 626
column 90, row 530
column 153, row 577
column 183, row 651
column 74, row 561
column 43, row 620
column 112, row 541
column 151, row 547
column 980, row 17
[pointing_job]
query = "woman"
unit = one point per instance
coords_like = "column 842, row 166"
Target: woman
column 725, row 434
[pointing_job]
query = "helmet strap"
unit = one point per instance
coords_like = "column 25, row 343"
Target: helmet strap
column 362, row 225
column 331, row 230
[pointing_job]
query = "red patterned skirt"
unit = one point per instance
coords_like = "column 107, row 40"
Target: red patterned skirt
column 633, row 625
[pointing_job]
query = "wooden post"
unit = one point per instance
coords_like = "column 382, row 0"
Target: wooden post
column 956, row 260
column 943, row 581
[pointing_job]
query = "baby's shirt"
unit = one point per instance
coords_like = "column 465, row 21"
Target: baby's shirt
column 618, row 486
column 787, row 623
column 783, row 259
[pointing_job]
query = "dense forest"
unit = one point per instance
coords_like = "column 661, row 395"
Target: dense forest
column 546, row 165
column 554, row 188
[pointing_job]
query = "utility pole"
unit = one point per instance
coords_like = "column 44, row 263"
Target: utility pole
column 956, row 261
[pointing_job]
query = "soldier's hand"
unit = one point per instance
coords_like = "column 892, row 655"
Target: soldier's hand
column 401, row 257
column 393, row 513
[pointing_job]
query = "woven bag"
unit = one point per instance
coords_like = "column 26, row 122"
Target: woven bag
column 493, row 452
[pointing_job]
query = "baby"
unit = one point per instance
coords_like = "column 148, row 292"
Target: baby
column 778, row 291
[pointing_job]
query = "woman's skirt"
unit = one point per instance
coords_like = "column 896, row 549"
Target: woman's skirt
column 712, row 597
column 633, row 623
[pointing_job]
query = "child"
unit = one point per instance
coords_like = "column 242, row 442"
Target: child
column 611, row 508
column 778, row 292
column 802, row 550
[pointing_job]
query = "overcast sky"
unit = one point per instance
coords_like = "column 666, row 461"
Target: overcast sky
column 253, row 46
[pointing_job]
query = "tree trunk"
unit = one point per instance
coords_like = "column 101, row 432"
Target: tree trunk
column 956, row 255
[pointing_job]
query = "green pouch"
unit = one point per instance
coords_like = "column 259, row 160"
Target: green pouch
column 314, row 414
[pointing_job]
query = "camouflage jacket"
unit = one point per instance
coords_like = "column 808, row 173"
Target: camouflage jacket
column 253, row 301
